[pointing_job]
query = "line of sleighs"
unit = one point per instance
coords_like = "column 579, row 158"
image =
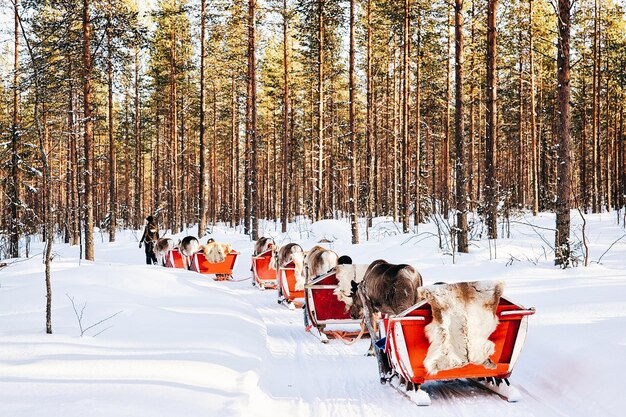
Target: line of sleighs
column 466, row 330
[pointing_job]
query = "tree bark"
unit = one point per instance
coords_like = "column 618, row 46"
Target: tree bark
column 286, row 133
column 405, row 116
column 14, row 193
column 352, row 180
column 203, row 175
column 595, row 164
column 88, row 135
column 173, row 131
column 461, row 184
column 533, row 117
column 112, row 161
column 138, row 152
column 445, row 151
column 472, row 129
column 317, row 204
column 417, row 218
column 490, row 122
column 564, row 192
column 251, row 120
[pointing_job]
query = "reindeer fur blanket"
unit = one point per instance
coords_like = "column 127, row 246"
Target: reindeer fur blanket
column 345, row 274
column 464, row 316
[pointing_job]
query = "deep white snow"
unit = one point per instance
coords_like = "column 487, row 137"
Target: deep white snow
column 184, row 345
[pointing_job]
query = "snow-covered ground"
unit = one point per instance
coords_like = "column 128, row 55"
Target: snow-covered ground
column 184, row 345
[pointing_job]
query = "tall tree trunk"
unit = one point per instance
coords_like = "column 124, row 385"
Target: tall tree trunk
column 533, row 117
column 405, row 115
column 584, row 195
column 173, row 131
column 520, row 184
column 394, row 153
column 203, row 174
column 138, row 151
column 286, row 133
column 73, row 163
column 461, row 184
column 88, row 138
column 564, row 190
column 234, row 157
column 417, row 218
column 251, row 133
column 445, row 157
column 214, row 180
column 352, row 180
column 369, row 124
column 472, row 129
column 317, row 204
column 49, row 227
column 14, row 193
column 112, row 161
column 595, row 164
column 490, row 123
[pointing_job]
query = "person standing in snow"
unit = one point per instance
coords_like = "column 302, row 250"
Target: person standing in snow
column 150, row 236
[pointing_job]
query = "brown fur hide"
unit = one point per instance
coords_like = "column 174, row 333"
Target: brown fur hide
column 318, row 261
column 287, row 253
column 464, row 316
column 162, row 247
column 386, row 288
column 263, row 245
column 189, row 245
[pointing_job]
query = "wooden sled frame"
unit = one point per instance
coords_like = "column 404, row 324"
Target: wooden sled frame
column 175, row 259
column 323, row 308
column 406, row 347
column 263, row 276
column 287, row 293
column 222, row 271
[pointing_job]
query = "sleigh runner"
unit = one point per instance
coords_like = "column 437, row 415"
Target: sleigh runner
column 222, row 270
column 263, row 275
column 406, row 346
column 325, row 312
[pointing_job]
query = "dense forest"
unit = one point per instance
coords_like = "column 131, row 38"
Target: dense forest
column 202, row 112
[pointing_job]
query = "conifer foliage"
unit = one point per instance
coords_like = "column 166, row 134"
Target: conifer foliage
column 237, row 112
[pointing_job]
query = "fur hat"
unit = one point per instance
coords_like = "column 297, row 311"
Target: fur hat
column 344, row 260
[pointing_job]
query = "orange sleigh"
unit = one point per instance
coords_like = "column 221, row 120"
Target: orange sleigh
column 406, row 346
column 287, row 286
column 263, row 276
column 175, row 259
column 324, row 310
column 222, row 271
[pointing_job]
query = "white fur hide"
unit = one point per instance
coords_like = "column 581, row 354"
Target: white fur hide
column 463, row 319
column 345, row 275
column 215, row 252
column 298, row 261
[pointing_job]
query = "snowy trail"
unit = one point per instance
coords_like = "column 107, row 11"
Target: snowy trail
column 186, row 345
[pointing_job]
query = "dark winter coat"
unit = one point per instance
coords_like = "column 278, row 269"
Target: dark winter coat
column 150, row 233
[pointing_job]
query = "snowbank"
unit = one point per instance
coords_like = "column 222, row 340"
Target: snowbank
column 183, row 345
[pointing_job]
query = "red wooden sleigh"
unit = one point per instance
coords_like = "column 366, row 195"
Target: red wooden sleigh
column 325, row 312
column 406, row 346
column 175, row 259
column 263, row 275
column 287, row 293
column 222, row 271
